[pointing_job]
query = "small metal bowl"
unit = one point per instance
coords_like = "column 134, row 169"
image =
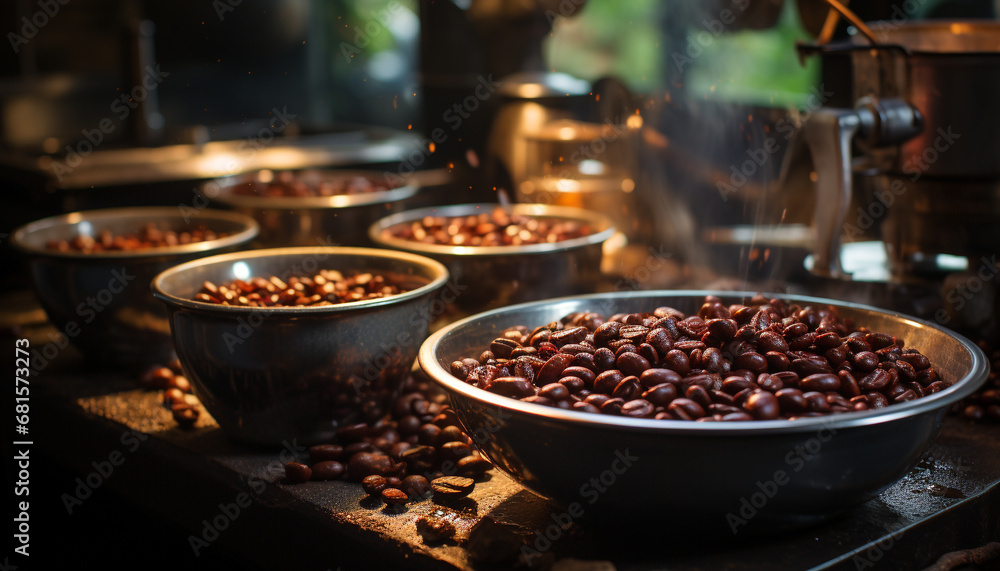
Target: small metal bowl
column 714, row 478
column 101, row 301
column 496, row 276
column 340, row 220
column 275, row 373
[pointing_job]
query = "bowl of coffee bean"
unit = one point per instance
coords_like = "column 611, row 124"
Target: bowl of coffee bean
column 91, row 272
column 501, row 255
column 722, row 412
column 313, row 207
column 290, row 343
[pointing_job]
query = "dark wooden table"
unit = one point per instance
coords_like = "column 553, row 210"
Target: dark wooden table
column 194, row 498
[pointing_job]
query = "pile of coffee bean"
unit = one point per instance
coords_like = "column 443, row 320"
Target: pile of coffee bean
column 177, row 397
column 984, row 404
column 328, row 287
column 416, row 452
column 764, row 360
column 151, row 236
column 311, row 183
column 488, row 229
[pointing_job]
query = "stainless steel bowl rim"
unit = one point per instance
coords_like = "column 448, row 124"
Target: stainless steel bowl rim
column 227, row 196
column 537, row 210
column 959, row 390
column 251, row 229
column 440, row 272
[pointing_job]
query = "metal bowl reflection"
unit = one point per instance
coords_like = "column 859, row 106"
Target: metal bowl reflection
column 339, row 220
column 716, row 478
column 101, row 301
column 269, row 374
column 495, row 276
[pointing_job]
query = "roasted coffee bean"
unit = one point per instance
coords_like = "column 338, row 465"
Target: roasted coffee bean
column 822, row 382
column 660, row 395
column 394, row 496
column 551, row 372
column 676, row 360
column 323, row 452
column 777, row 361
column 792, row 400
column 628, row 389
column 771, row 341
column 451, row 487
column 416, row 487
column 556, row 391
column 686, row 409
column 473, row 466
column 374, row 484
column 607, row 381
column 763, row 405
column 502, row 347
column 329, row 470
column 770, row 383
column 296, row 473
column 877, row 380
column 654, row 377
column 356, row 447
column 699, row 395
column 368, row 463
column 353, row 432
column 752, row 361
column 734, row 384
column 612, row 406
column 515, row 387
column 586, row 407
column 637, row 408
column 569, row 336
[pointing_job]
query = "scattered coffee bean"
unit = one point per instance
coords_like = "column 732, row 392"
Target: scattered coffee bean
column 450, row 487
column 296, row 473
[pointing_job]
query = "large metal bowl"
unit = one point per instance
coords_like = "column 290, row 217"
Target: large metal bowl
column 275, row 373
column 341, row 220
column 101, row 301
column 716, row 478
column 496, row 276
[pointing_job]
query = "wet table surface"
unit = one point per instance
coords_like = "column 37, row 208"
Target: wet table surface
column 231, row 501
